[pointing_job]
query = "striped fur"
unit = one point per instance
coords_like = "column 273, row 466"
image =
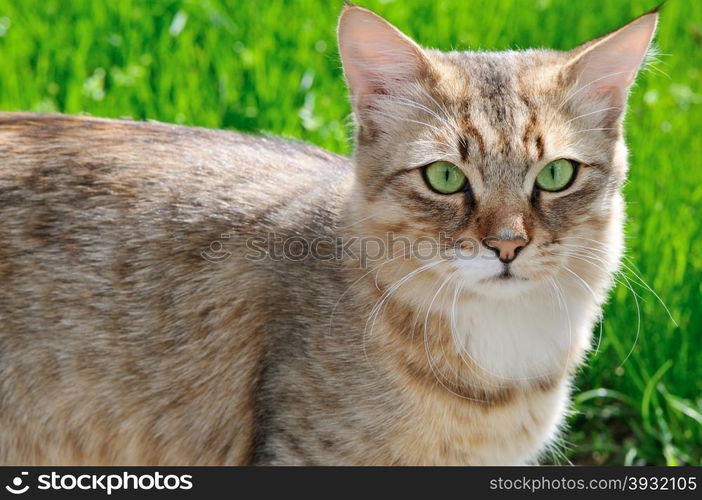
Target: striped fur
column 135, row 328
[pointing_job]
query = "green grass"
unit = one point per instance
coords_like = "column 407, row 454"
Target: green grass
column 272, row 66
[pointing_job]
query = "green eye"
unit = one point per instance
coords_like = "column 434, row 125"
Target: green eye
column 444, row 177
column 556, row 176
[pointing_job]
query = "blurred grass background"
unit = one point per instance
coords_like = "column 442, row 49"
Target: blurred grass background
column 272, row 66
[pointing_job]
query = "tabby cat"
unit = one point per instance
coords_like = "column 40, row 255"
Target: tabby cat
column 181, row 296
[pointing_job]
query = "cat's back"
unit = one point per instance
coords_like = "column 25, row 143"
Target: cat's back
column 119, row 319
column 123, row 158
column 118, row 204
column 78, row 184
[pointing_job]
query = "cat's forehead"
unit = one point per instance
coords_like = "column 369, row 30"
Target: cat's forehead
column 498, row 101
column 495, row 80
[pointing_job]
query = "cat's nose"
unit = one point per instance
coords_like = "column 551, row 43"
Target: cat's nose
column 506, row 249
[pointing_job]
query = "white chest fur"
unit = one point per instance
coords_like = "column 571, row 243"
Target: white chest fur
column 526, row 337
column 517, row 343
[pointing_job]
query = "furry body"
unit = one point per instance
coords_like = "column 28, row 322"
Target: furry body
column 128, row 337
column 122, row 344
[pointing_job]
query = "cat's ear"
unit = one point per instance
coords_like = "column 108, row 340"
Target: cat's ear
column 376, row 56
column 606, row 67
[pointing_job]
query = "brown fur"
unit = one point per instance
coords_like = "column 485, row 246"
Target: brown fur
column 135, row 328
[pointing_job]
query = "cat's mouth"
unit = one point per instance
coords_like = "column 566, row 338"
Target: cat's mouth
column 505, row 276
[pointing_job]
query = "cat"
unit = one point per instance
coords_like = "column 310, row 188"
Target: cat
column 181, row 296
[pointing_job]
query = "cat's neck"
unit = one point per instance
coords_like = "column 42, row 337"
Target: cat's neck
column 477, row 347
column 420, row 319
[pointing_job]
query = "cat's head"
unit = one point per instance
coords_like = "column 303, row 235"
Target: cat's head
column 512, row 161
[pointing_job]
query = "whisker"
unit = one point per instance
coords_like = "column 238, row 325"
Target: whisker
column 592, row 113
column 638, row 278
column 636, row 302
column 426, row 340
column 377, row 307
column 594, row 129
column 336, row 304
column 580, row 89
column 459, row 348
column 446, row 119
column 594, row 296
column 410, row 120
column 570, row 326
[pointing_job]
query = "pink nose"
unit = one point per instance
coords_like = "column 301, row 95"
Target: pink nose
column 506, row 250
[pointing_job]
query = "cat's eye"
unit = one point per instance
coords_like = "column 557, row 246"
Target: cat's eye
column 444, row 177
column 556, row 176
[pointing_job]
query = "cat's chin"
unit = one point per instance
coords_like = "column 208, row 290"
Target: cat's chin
column 501, row 286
